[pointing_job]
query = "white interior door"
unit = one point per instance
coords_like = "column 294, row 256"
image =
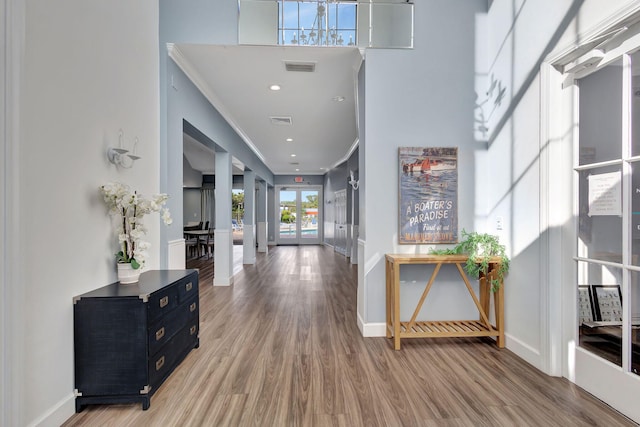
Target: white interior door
column 340, row 207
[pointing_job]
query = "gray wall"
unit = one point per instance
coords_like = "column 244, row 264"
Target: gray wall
column 352, row 165
column 420, row 97
column 65, row 111
column 190, row 176
column 334, row 180
column 191, row 205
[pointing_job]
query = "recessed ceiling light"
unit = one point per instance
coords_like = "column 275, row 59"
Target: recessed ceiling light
column 297, row 170
column 289, row 139
column 293, row 155
column 274, row 87
column 338, row 98
column 321, row 169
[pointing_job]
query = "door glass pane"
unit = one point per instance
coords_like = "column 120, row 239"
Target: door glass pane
column 288, row 229
column 288, row 22
column 600, row 310
column 600, row 210
column 635, row 105
column 309, row 213
column 635, row 322
column 237, row 216
column 635, row 167
column 601, row 115
column 635, row 213
column 347, row 24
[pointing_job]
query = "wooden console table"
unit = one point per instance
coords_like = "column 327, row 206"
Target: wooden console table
column 413, row 328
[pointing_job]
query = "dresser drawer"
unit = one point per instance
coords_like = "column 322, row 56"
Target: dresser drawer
column 163, row 301
column 167, row 326
column 188, row 287
column 164, row 361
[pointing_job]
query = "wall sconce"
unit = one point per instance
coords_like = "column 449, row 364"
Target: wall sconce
column 352, row 181
column 120, row 156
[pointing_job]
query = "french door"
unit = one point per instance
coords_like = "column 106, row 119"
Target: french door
column 607, row 231
column 298, row 215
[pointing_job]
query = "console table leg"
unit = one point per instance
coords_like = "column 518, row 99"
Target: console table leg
column 388, row 280
column 498, row 296
column 396, row 306
column 484, row 288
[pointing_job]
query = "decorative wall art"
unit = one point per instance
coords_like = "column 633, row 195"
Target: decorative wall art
column 585, row 305
column 607, row 300
column 428, row 195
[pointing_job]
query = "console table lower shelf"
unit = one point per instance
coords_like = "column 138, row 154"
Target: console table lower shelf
column 398, row 329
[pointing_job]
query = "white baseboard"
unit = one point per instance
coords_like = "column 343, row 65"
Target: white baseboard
column 57, row 414
column 523, row 351
column 360, row 324
column 369, row 330
column 223, row 282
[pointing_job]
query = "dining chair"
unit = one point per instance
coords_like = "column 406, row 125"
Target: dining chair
column 207, row 244
column 191, row 247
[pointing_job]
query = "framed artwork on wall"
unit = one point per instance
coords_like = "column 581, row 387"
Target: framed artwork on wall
column 428, row 189
column 586, row 312
column 607, row 300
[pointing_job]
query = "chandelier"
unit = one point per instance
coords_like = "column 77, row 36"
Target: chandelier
column 320, row 34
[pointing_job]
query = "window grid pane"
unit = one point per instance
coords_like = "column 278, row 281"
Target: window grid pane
column 317, row 23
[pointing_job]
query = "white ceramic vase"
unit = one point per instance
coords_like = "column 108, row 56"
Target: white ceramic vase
column 127, row 274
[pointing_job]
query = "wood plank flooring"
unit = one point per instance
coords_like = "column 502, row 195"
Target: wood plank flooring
column 281, row 347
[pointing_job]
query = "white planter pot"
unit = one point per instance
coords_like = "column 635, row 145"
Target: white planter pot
column 127, row 274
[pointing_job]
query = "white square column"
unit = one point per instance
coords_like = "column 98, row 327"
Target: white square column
column 248, row 228
column 223, row 238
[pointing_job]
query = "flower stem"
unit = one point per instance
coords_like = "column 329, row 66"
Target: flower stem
column 125, row 253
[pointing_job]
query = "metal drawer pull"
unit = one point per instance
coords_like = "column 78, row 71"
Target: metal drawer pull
column 164, row 301
column 159, row 334
column 192, row 307
column 189, row 286
column 159, row 363
column 192, row 330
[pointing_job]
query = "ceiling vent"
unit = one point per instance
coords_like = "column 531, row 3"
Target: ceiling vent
column 281, row 121
column 304, row 67
column 294, row 163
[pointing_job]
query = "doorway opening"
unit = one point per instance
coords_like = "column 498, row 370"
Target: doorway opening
column 237, row 216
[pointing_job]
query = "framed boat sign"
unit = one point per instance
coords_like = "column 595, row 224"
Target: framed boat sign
column 428, row 195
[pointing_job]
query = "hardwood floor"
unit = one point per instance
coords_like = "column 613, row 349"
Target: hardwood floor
column 281, row 347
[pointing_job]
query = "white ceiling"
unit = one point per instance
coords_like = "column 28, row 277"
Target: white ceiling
column 203, row 158
column 199, row 156
column 236, row 81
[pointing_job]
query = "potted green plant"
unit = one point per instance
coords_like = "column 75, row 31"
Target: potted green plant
column 480, row 247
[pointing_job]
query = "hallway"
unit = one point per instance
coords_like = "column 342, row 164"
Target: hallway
column 281, row 347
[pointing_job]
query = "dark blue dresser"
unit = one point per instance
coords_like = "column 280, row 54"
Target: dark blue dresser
column 129, row 338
